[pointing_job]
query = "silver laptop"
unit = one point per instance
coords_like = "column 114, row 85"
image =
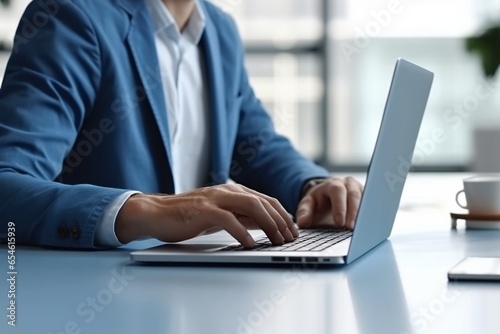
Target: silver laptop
column 389, row 167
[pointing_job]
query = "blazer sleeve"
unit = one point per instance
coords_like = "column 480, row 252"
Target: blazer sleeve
column 50, row 83
column 263, row 159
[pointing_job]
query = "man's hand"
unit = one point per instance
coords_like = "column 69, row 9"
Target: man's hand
column 233, row 208
column 332, row 203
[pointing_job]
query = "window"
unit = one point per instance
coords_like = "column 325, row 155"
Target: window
column 9, row 19
column 429, row 33
column 365, row 37
column 284, row 61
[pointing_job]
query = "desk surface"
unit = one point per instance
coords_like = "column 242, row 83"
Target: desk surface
column 400, row 287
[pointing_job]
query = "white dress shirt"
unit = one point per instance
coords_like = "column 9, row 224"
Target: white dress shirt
column 185, row 90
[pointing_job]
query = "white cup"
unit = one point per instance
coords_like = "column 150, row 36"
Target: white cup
column 482, row 194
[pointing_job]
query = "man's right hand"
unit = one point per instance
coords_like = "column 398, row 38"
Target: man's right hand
column 229, row 207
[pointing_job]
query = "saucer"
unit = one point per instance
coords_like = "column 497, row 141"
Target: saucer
column 476, row 221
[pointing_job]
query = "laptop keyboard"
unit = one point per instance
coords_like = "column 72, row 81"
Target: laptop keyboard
column 309, row 240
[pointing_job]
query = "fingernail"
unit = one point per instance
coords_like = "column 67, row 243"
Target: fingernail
column 249, row 242
column 339, row 219
column 351, row 224
column 279, row 237
column 295, row 231
column 288, row 235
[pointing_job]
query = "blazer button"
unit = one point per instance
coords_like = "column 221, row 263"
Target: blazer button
column 62, row 231
column 75, row 232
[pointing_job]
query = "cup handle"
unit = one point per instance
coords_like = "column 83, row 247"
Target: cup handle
column 458, row 201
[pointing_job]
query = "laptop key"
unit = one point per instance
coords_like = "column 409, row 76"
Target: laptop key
column 329, row 244
column 311, row 240
column 314, row 245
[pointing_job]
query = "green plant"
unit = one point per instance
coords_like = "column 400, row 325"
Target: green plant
column 487, row 46
column 5, row 2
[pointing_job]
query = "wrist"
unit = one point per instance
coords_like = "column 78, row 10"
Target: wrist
column 131, row 222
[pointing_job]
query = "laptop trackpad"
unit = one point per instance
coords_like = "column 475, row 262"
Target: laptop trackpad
column 206, row 243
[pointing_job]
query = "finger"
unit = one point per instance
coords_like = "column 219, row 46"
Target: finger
column 249, row 223
column 278, row 212
column 228, row 222
column 278, row 219
column 251, row 206
column 305, row 211
column 337, row 195
column 354, row 192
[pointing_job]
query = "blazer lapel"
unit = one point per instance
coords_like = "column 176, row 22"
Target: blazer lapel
column 219, row 168
column 141, row 42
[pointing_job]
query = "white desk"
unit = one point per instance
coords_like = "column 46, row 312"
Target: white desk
column 400, row 287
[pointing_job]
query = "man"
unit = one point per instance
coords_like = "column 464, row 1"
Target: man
column 124, row 119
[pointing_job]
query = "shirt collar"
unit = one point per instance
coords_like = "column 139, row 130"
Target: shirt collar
column 164, row 22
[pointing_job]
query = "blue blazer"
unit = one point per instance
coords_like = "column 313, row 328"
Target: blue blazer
column 83, row 119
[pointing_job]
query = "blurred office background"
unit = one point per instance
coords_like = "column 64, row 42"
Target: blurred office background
column 323, row 70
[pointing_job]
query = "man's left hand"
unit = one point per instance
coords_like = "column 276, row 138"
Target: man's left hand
column 332, row 203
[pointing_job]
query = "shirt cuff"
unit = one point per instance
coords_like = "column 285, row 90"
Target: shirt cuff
column 105, row 234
